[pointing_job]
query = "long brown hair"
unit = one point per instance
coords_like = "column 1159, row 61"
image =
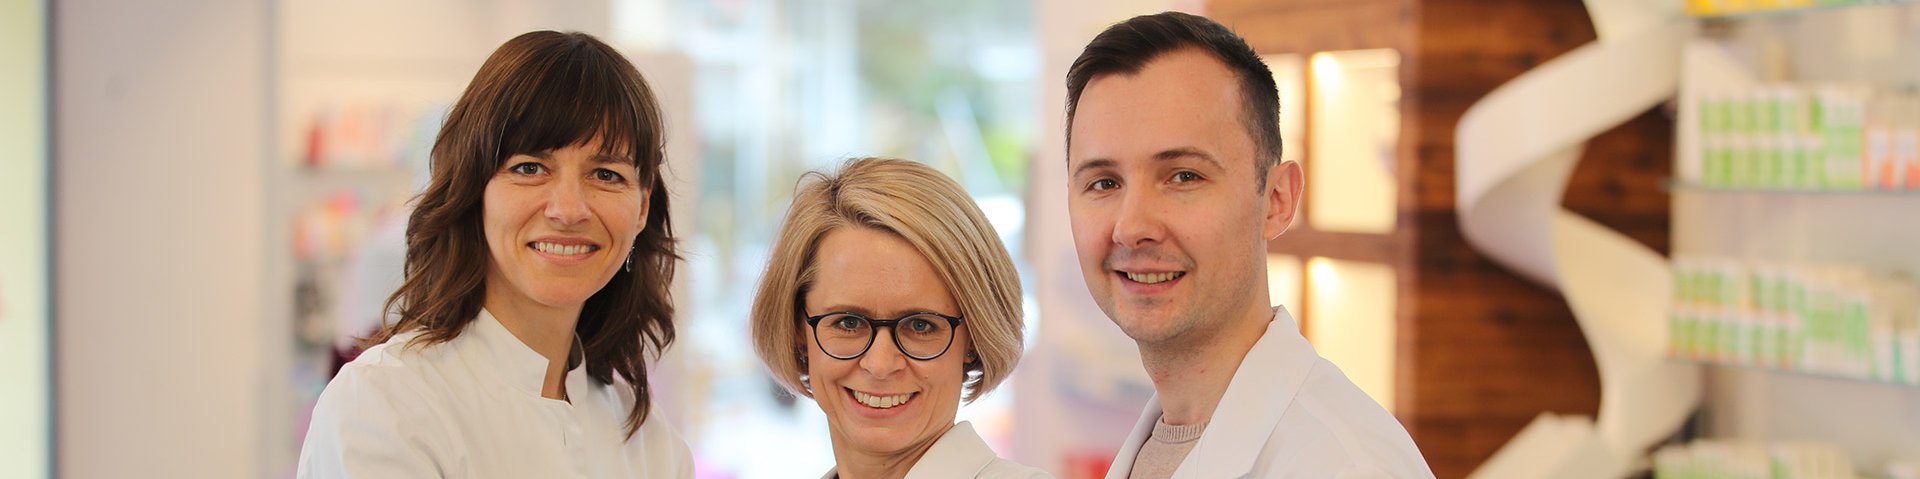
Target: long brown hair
column 541, row 91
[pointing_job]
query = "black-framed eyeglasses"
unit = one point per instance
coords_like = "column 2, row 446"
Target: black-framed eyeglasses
column 923, row 335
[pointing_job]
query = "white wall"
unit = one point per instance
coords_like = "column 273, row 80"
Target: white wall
column 161, row 134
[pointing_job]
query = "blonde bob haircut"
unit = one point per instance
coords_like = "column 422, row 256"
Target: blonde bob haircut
column 929, row 211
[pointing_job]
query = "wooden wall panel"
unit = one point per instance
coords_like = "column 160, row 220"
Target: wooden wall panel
column 1299, row 26
column 1620, row 182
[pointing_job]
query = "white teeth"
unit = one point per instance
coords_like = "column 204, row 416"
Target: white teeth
column 881, row 402
column 563, row 250
column 1153, row 278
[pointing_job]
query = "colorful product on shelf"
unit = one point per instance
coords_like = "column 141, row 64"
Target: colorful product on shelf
column 1819, row 319
column 1720, row 8
column 376, row 136
column 1802, row 137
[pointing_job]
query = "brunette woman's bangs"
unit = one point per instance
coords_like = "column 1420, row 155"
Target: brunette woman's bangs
column 579, row 97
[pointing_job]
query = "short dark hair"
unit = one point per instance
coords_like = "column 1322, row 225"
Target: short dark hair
column 538, row 92
column 1127, row 47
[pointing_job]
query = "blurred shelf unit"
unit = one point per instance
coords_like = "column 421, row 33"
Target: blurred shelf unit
column 369, row 136
column 1737, row 8
column 1820, row 319
column 1796, row 233
column 356, row 166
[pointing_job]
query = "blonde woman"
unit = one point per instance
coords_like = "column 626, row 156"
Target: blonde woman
column 889, row 300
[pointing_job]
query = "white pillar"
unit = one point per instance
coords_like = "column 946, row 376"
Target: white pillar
column 161, row 124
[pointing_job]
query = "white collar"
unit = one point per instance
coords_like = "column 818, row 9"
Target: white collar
column 958, row 453
column 1262, row 388
column 512, row 361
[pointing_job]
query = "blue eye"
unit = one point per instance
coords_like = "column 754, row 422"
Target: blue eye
column 920, row 325
column 849, row 322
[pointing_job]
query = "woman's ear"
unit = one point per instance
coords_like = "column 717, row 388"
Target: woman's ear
column 806, row 372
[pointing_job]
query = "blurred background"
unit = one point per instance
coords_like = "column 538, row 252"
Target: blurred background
column 1555, row 238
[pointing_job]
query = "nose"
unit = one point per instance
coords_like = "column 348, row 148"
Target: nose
column 1138, row 222
column 884, row 357
column 567, row 203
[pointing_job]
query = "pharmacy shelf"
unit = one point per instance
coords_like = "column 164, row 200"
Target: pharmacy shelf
column 1855, row 44
column 1792, row 372
column 1719, row 10
column 1685, row 187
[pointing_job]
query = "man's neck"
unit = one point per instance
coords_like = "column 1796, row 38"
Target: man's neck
column 1191, row 373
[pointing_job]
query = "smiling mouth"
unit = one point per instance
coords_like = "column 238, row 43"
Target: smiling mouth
column 1153, row 278
column 881, row 402
column 563, row 249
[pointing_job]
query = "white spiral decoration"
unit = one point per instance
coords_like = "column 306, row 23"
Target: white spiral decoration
column 1516, row 150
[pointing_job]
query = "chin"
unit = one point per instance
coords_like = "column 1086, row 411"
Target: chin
column 876, row 439
column 1147, row 327
column 563, row 294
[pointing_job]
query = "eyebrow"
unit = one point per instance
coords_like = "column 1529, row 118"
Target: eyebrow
column 598, row 158
column 1188, row 152
column 1164, row 155
column 845, row 308
column 1093, row 164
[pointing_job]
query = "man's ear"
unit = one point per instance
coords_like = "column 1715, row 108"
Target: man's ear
column 1283, row 198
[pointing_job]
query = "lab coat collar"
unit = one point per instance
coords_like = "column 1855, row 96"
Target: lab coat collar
column 1262, row 389
column 512, row 361
column 958, row 453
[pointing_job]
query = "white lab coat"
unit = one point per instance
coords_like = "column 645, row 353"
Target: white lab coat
column 1288, row 413
column 961, row 454
column 471, row 408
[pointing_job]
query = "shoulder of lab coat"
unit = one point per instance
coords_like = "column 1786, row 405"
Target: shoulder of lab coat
column 1287, row 411
column 962, row 453
column 370, row 423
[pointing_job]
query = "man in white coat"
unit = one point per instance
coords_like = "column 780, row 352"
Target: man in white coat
column 1175, row 188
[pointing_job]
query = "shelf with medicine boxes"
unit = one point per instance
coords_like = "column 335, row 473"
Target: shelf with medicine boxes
column 1796, row 228
column 1820, row 319
column 1751, row 459
column 1806, row 137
